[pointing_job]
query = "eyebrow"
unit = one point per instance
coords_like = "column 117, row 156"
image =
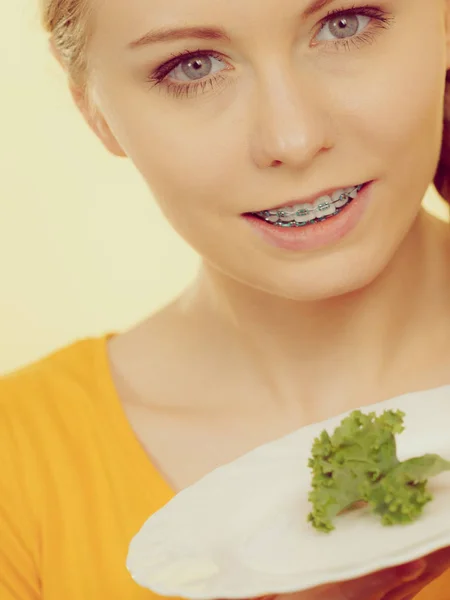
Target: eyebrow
column 166, row 34
column 315, row 6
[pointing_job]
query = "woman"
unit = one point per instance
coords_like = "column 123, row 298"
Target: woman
column 292, row 149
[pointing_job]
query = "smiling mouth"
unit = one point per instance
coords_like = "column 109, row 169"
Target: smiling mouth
column 300, row 215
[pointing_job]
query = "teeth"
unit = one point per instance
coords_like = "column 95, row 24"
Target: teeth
column 286, row 214
column 272, row 218
column 304, row 213
column 322, row 207
column 340, row 198
column 353, row 191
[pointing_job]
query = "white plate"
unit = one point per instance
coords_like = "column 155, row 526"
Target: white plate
column 241, row 531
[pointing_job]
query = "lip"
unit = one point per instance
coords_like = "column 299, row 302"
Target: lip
column 306, row 200
column 319, row 235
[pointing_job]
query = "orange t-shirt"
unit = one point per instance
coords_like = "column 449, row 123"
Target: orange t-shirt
column 75, row 483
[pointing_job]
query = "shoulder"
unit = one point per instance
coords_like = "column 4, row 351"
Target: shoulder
column 57, row 381
column 39, row 403
column 45, row 409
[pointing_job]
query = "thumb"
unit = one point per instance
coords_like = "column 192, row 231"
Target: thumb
column 376, row 585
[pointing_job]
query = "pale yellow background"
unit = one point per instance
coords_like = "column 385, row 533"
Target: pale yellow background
column 83, row 247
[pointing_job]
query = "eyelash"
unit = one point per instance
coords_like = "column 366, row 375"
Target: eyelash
column 159, row 76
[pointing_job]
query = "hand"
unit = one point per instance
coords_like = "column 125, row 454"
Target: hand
column 398, row 583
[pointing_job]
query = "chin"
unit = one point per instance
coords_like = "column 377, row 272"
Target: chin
column 331, row 276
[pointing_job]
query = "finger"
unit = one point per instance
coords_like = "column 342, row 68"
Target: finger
column 438, row 564
column 411, row 589
column 377, row 584
column 439, row 561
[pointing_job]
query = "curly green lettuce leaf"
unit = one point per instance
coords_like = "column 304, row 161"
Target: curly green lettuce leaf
column 401, row 496
column 359, row 462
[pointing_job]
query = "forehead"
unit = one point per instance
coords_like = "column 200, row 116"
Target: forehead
column 122, row 21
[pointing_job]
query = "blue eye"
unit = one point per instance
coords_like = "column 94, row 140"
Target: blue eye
column 343, row 27
column 198, row 65
column 340, row 28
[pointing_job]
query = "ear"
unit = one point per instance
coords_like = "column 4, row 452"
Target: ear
column 90, row 113
column 96, row 121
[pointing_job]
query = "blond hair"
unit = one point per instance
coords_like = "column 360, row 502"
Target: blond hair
column 70, row 25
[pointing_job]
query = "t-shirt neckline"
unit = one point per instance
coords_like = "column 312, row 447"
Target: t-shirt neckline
column 116, row 412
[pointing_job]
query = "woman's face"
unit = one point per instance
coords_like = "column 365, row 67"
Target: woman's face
column 276, row 102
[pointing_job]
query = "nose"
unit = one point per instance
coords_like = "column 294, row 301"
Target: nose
column 291, row 124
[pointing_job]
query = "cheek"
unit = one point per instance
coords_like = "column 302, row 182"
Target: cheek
column 182, row 168
column 407, row 120
column 184, row 154
column 397, row 115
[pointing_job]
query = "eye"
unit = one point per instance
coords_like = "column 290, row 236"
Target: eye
column 196, row 67
column 343, row 27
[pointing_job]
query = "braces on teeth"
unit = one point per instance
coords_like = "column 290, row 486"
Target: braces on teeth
column 267, row 215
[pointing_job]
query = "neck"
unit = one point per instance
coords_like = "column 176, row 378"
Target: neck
column 345, row 344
